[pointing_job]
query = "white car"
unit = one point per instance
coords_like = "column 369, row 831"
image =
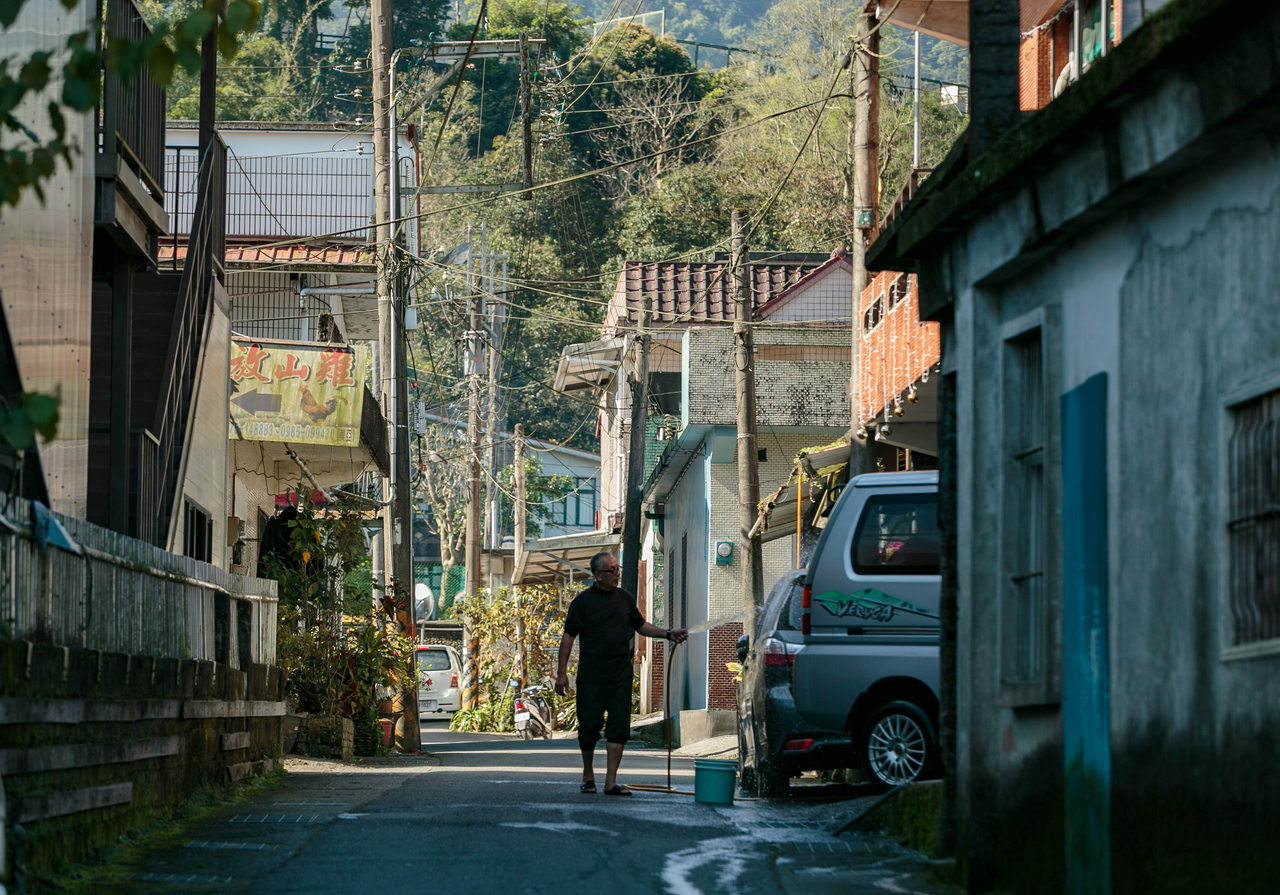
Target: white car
column 440, row 672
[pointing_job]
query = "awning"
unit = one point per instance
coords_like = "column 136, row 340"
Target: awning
column 815, row 482
column 588, row 365
column 562, row 558
column 945, row 19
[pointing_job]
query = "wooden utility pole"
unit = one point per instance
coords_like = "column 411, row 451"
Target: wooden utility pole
column 519, row 534
column 633, row 518
column 396, row 532
column 526, row 118
column 864, row 78
column 470, row 643
column 748, row 457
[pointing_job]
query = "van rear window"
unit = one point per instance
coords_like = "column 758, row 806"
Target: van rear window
column 433, row 660
column 897, row 535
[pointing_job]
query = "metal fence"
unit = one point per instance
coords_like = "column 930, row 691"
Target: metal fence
column 206, row 248
column 124, row 596
column 132, row 111
column 280, row 197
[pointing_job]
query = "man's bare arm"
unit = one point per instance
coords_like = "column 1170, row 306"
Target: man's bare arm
column 562, row 664
column 675, row 635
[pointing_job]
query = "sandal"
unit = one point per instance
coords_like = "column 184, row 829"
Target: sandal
column 588, row 787
column 618, row 790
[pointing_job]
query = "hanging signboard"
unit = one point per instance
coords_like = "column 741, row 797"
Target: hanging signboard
column 297, row 392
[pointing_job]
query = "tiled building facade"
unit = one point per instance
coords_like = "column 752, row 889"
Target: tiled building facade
column 803, row 354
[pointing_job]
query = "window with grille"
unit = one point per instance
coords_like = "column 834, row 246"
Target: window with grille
column 1253, row 529
column 899, row 289
column 873, row 315
column 197, row 533
column 1025, row 506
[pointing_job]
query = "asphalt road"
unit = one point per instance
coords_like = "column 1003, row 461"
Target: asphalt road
column 484, row 813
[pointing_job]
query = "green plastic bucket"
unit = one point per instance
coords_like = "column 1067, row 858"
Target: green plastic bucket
column 713, row 781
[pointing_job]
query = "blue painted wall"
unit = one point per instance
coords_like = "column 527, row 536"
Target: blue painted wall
column 1086, row 680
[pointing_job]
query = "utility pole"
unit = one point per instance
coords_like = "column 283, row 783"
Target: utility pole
column 748, row 457
column 493, row 456
column 864, row 77
column 397, row 542
column 915, row 107
column 526, row 118
column 520, row 521
column 470, row 643
column 633, row 519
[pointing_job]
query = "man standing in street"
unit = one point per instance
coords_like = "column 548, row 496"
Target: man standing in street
column 605, row 617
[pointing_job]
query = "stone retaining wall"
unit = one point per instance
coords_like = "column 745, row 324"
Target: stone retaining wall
column 94, row 744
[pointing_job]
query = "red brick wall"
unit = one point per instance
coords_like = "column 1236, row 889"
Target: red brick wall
column 898, row 350
column 1034, row 80
column 722, row 688
column 1037, row 72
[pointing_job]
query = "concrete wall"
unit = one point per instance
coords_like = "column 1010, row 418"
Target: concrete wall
column 205, row 482
column 46, row 264
column 1174, row 299
column 779, row 555
column 687, row 515
column 96, row 744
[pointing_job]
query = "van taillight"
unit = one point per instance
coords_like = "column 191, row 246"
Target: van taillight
column 454, row 681
column 776, row 653
column 806, row 600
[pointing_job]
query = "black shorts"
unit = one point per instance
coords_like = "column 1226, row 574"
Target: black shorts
column 595, row 698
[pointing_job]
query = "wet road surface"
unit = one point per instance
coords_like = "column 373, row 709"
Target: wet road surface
column 486, row 813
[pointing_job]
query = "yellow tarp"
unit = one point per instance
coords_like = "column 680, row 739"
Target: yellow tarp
column 297, row 392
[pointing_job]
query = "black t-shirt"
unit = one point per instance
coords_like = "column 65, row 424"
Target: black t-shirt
column 603, row 622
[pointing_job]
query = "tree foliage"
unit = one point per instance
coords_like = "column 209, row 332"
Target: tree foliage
column 28, row 158
column 674, row 150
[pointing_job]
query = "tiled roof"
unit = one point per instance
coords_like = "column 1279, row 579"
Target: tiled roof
column 283, row 255
column 693, row 293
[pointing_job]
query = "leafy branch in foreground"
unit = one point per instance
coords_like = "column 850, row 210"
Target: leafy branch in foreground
column 33, row 159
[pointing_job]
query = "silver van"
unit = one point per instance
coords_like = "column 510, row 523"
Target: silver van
column 870, row 625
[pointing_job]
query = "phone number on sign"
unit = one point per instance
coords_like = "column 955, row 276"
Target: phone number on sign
column 297, row 432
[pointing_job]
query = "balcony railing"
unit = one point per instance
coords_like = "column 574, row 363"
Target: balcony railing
column 279, row 198
column 120, row 595
column 906, row 194
column 206, row 246
column 132, row 115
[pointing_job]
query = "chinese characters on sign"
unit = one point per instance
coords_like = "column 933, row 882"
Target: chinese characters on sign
column 297, row 392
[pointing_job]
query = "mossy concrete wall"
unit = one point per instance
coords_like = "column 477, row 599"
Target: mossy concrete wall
column 1133, row 225
column 93, row 744
column 911, row 816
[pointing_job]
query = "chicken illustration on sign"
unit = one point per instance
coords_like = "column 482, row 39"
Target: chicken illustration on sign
column 292, row 392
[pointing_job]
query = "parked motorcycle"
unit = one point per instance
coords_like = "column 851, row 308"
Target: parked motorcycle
column 533, row 714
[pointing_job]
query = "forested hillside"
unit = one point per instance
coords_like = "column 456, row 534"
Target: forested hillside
column 641, row 155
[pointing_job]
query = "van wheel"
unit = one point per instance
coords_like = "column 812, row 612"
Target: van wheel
column 897, row 745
